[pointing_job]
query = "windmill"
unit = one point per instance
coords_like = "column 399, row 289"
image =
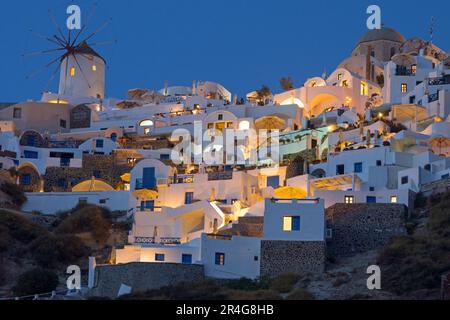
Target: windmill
column 81, row 68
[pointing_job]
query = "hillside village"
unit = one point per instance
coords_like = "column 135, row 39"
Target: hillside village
column 314, row 183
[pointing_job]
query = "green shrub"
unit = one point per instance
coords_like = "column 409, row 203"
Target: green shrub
column 284, row 282
column 247, row 284
column 87, row 219
column 20, row 228
column 300, row 294
column 252, row 295
column 36, row 281
column 16, row 194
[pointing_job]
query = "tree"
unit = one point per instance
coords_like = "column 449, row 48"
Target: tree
column 263, row 94
column 36, row 281
column 286, row 83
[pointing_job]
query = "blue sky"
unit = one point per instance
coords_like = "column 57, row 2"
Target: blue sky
column 241, row 44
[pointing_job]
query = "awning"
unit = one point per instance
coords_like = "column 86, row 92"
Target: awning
column 145, row 194
column 290, row 193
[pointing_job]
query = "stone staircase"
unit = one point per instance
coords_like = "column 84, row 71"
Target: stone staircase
column 246, row 227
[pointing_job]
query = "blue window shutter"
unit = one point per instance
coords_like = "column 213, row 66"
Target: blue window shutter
column 220, row 257
column 148, row 178
column 273, row 181
column 188, row 198
column 371, row 200
column 186, row 259
column 358, row 167
column 296, row 223
column 99, row 143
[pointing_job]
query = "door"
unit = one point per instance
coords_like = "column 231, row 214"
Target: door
column 148, row 178
column 371, row 200
column 273, row 181
column 188, row 198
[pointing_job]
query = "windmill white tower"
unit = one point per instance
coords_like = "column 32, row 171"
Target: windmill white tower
column 82, row 73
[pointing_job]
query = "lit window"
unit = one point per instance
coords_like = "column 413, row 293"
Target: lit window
column 244, row 125
column 404, row 88
column 72, row 72
column 414, row 69
column 220, row 259
column 291, row 223
column 364, row 89
column 394, row 199
column 94, row 67
column 349, row 199
column 159, row 257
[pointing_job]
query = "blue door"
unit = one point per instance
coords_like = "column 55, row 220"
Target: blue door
column 186, row 259
column 188, row 198
column 148, row 205
column 371, row 199
column 148, row 178
column 273, row 181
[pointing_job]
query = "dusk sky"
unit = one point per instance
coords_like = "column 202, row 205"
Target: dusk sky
column 241, row 44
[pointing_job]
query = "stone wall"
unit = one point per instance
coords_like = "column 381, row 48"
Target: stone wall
column 292, row 256
column 436, row 187
column 104, row 167
column 35, row 179
column 359, row 228
column 142, row 276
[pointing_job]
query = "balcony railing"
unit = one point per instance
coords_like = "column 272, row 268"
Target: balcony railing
column 152, row 209
column 170, row 240
column 433, row 97
column 439, row 80
column 144, row 240
column 404, row 71
column 216, row 176
column 188, row 178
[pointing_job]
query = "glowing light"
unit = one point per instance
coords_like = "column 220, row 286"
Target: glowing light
column 72, row 71
column 146, row 123
column 58, row 101
column 244, row 125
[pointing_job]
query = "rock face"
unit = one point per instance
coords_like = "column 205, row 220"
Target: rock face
column 142, row 277
column 292, row 256
column 358, row 228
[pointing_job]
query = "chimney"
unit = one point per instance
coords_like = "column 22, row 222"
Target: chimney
column 166, row 88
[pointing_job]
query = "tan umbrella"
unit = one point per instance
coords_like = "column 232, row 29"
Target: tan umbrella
column 439, row 142
column 270, row 123
column 145, row 194
column 290, row 193
column 126, row 178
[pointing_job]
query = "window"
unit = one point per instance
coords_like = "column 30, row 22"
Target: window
column 62, row 183
column 414, row 68
column 371, row 199
column 30, row 154
column 188, row 197
column 255, row 258
column 364, row 89
column 393, row 199
column 349, row 199
column 99, row 143
column 427, row 167
column 113, row 136
column 25, row 179
column 412, row 99
column 17, row 113
column 164, row 157
column 220, row 117
column 340, row 169
column 405, row 180
column 378, row 163
column 404, row 88
column 159, row 257
column 358, row 167
column 94, row 67
column 31, row 140
column 97, row 174
column 220, row 259
column 371, row 188
column 72, row 71
column 186, row 258
column 148, row 205
column 62, row 123
column 102, row 201
column 291, row 223
column 445, row 176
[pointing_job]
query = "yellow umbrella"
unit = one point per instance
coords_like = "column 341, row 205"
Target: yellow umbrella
column 126, row 177
column 290, row 193
column 145, row 194
column 440, row 142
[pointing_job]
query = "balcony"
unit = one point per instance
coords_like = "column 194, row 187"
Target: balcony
column 180, row 179
column 150, row 209
column 170, row 240
column 404, row 71
column 218, row 176
column 433, row 97
column 144, row 240
column 439, row 81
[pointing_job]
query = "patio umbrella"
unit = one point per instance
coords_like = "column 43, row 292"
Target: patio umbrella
column 439, row 142
column 126, row 178
column 270, row 123
column 290, row 193
column 145, row 194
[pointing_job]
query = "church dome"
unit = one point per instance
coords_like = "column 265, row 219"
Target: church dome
column 382, row 34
